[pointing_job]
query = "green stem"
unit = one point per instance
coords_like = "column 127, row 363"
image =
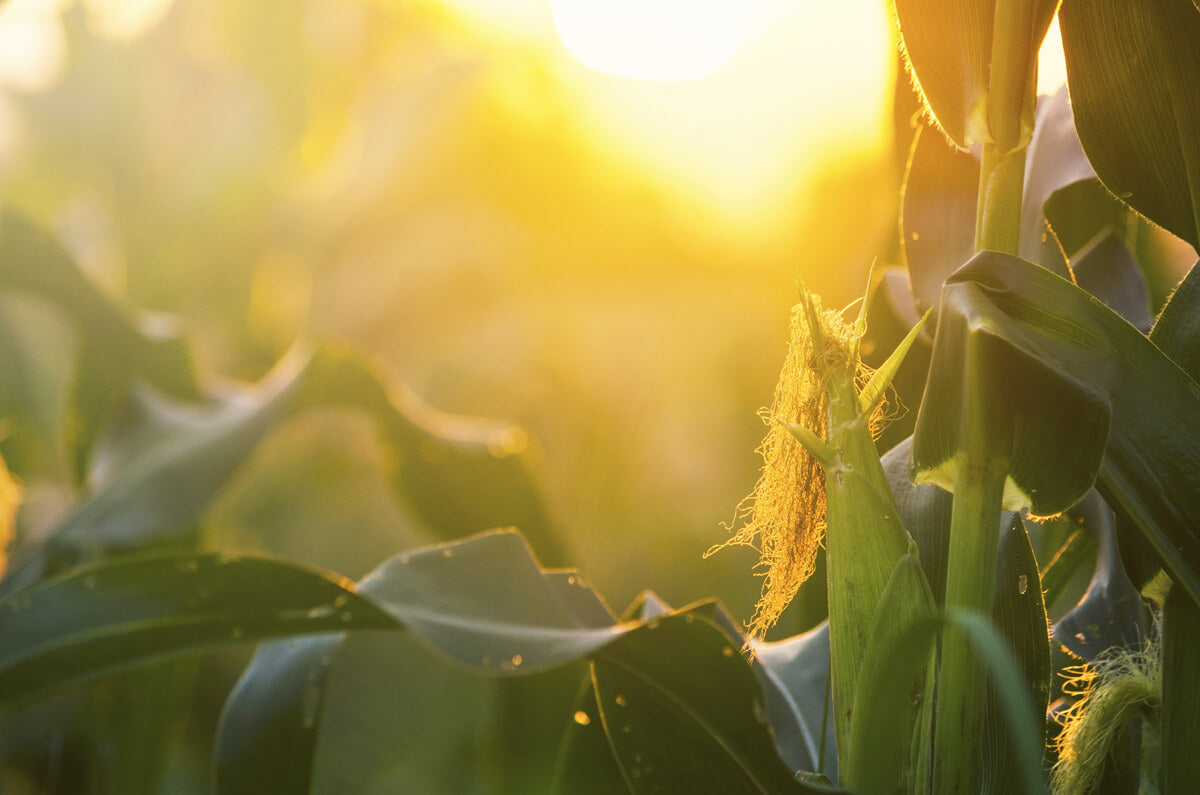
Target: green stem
column 1012, row 87
column 970, row 586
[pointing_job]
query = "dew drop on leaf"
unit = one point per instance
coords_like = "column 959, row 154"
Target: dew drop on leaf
column 582, row 718
column 621, row 701
column 1022, row 584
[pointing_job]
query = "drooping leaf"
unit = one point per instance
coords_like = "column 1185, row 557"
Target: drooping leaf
column 483, row 602
column 1110, row 614
column 1131, row 68
column 158, row 470
column 1134, row 415
column 671, row 726
column 118, row 614
column 949, row 48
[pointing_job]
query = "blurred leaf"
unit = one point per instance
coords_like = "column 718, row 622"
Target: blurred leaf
column 1039, row 325
column 887, row 747
column 1139, row 118
column 683, row 712
column 1019, row 614
column 162, row 465
column 118, row 614
column 116, row 345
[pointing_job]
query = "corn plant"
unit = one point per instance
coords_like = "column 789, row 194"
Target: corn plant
column 1058, row 422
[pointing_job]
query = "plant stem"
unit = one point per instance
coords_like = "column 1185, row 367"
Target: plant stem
column 970, row 585
column 1012, row 87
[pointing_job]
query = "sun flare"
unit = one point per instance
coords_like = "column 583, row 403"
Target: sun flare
column 659, row 40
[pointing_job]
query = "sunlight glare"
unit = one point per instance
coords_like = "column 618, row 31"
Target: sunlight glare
column 659, row 40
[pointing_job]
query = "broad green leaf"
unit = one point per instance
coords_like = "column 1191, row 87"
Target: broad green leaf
column 1108, row 400
column 683, row 711
column 887, row 742
column 483, row 602
column 1177, row 332
column 486, row 603
column 1046, row 424
column 1131, row 68
column 118, row 614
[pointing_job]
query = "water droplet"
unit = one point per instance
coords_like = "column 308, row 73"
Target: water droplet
column 1022, row 584
column 1079, row 636
column 688, row 619
column 621, row 701
column 727, row 651
column 626, row 728
column 582, row 718
column 517, row 660
column 321, row 611
column 340, row 601
column 447, row 553
column 570, row 579
column 914, row 235
column 404, row 559
column 237, row 632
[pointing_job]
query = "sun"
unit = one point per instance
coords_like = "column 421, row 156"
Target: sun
column 657, row 40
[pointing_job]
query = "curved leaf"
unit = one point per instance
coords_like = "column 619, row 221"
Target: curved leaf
column 1139, row 117
column 1149, row 459
column 795, row 678
column 118, row 614
column 683, row 711
column 158, row 470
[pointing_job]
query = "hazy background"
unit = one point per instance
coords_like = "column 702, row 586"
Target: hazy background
column 608, row 261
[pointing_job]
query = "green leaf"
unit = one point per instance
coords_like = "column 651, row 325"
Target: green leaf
column 1019, row 615
column 1139, row 117
column 483, row 602
column 1063, row 345
column 795, row 677
column 118, row 614
column 683, row 712
column 1110, row 613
